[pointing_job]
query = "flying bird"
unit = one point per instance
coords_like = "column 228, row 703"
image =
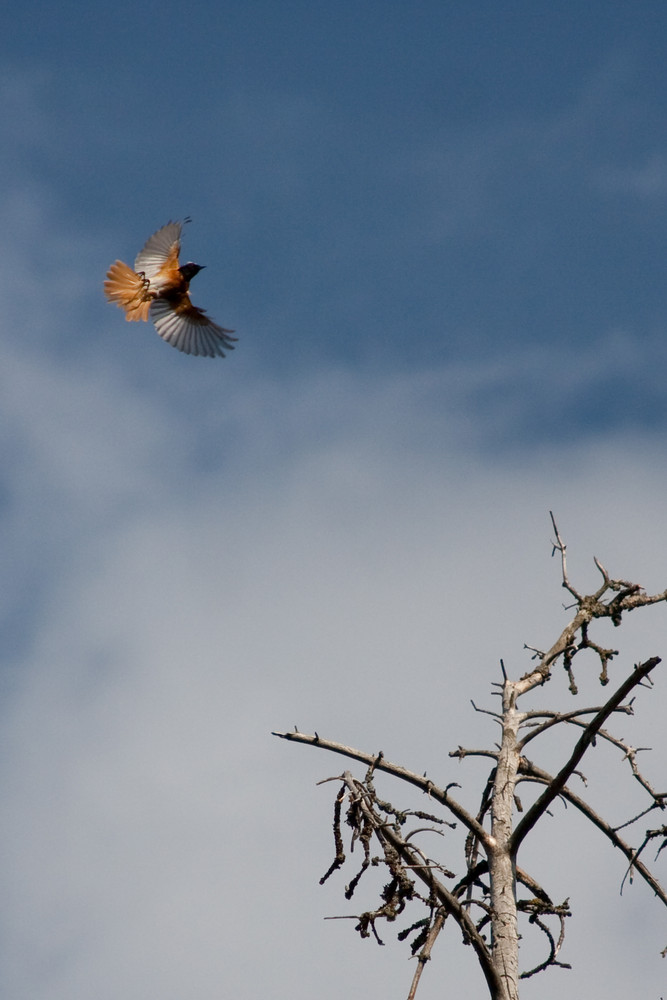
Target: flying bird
column 158, row 289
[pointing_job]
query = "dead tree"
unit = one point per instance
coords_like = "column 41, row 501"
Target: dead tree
column 492, row 893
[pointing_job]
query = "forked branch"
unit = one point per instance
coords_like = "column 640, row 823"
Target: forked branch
column 556, row 786
column 625, row 597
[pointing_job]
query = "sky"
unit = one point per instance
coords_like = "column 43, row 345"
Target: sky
column 439, row 233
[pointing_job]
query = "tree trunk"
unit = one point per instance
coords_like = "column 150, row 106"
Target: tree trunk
column 505, row 938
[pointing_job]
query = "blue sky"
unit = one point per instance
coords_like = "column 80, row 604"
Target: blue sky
column 438, row 230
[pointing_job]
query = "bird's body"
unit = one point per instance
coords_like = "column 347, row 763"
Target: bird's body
column 157, row 289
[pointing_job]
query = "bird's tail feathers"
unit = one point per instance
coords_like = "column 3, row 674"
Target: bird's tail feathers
column 128, row 290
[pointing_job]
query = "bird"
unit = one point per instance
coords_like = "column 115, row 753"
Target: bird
column 157, row 289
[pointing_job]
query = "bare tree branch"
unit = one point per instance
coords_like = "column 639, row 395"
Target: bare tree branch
column 378, row 761
column 627, row 597
column 559, row 546
column 425, row 953
column 535, row 908
column 650, row 835
column 555, row 718
column 533, row 773
column 587, row 737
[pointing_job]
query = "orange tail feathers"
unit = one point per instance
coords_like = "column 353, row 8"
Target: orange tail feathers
column 128, row 290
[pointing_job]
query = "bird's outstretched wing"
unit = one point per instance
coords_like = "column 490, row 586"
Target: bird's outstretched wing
column 189, row 329
column 158, row 259
column 128, row 290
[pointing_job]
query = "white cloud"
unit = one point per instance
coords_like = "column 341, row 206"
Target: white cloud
column 344, row 566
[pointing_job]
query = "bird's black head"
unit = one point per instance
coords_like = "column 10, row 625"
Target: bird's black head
column 189, row 270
